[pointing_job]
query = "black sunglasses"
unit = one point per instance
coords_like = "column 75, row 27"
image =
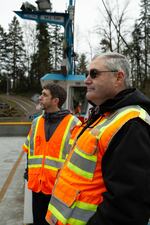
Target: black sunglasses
column 94, row 72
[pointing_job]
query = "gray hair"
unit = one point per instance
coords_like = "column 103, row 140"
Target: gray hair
column 116, row 61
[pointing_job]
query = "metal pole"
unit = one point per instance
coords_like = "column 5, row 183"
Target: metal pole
column 7, row 92
column 70, row 2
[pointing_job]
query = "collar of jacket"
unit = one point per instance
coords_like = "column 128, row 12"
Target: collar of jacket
column 55, row 115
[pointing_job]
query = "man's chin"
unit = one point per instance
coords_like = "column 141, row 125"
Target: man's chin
column 39, row 107
column 89, row 96
column 42, row 107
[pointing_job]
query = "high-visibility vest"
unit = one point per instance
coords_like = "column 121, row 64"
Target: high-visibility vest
column 45, row 158
column 79, row 186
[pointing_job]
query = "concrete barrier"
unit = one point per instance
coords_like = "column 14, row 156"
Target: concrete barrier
column 14, row 129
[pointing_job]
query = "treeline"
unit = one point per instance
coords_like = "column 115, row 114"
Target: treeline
column 27, row 53
column 26, row 56
column 115, row 35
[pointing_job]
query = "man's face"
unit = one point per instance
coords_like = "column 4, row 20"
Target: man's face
column 46, row 101
column 102, row 85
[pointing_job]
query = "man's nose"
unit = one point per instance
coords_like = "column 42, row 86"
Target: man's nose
column 40, row 97
column 87, row 79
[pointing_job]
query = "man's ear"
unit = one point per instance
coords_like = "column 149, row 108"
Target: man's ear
column 56, row 101
column 120, row 76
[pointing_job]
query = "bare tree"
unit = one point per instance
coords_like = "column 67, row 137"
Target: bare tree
column 112, row 31
column 29, row 33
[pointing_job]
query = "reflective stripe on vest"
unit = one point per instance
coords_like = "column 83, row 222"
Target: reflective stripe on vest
column 71, row 141
column 26, row 144
column 33, row 134
column 79, row 211
column 66, row 203
column 65, row 146
column 78, row 163
column 49, row 162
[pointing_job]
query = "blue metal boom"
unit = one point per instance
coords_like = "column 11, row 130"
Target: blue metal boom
column 64, row 19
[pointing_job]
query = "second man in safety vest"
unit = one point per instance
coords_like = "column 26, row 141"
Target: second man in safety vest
column 47, row 146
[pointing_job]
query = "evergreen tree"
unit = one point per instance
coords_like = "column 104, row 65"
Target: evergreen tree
column 140, row 45
column 2, row 48
column 81, row 67
column 16, row 54
column 41, row 59
column 56, row 46
column 136, row 56
column 144, row 25
column 3, row 72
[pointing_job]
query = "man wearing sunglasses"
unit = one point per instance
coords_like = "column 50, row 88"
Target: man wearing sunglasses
column 106, row 178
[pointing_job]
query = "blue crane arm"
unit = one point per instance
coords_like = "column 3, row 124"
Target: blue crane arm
column 63, row 19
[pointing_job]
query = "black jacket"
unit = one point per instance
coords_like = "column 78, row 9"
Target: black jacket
column 125, row 167
column 52, row 120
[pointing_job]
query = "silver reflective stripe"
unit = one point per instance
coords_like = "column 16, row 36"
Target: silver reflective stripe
column 47, row 162
column 67, row 146
column 83, row 163
column 147, row 119
column 145, row 116
column 128, row 108
column 53, row 163
column 34, row 161
column 75, row 212
column 33, row 134
column 27, row 142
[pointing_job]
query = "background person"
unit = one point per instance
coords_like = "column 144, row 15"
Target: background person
column 47, row 146
column 77, row 110
column 106, row 177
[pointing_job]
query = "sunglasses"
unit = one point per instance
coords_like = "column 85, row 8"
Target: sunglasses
column 94, row 72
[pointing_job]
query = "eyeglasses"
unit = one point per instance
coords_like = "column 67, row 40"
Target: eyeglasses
column 94, row 72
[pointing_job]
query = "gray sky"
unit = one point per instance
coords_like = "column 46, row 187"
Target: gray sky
column 87, row 15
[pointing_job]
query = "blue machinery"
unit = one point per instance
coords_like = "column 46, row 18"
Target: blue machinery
column 66, row 20
column 72, row 83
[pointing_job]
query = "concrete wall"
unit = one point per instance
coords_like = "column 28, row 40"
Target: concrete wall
column 12, row 129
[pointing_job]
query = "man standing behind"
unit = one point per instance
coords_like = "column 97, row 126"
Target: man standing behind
column 106, row 177
column 47, row 146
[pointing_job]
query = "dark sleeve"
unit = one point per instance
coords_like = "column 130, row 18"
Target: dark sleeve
column 126, row 173
column 26, row 170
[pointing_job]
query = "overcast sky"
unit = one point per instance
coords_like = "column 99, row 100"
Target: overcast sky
column 87, row 14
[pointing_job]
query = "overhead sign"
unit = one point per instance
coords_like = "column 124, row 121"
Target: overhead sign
column 55, row 18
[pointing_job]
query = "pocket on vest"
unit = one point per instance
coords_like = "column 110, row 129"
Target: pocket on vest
column 65, row 193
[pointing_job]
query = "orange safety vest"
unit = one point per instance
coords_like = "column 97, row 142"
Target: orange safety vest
column 79, row 187
column 45, row 158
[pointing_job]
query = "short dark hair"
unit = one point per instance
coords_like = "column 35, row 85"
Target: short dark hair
column 57, row 92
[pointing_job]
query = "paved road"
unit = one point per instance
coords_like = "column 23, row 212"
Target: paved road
column 12, row 196
column 25, row 104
